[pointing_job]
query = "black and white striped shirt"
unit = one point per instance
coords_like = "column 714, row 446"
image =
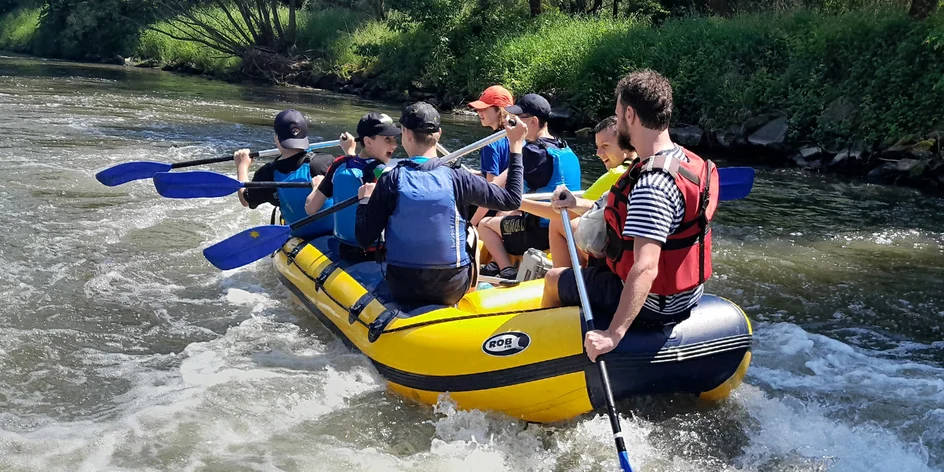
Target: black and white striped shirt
column 656, row 209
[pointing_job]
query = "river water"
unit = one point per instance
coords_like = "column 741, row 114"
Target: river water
column 121, row 348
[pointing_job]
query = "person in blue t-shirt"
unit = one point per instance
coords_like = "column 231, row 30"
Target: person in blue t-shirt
column 493, row 157
column 491, row 110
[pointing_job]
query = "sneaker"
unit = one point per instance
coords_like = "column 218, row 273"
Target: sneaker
column 489, row 270
column 508, row 273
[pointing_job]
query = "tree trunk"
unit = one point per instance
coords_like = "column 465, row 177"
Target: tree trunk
column 291, row 22
column 535, row 7
column 615, row 9
column 380, row 11
column 922, row 9
column 596, row 6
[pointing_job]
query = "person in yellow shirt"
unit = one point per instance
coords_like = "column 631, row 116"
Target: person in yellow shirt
column 617, row 156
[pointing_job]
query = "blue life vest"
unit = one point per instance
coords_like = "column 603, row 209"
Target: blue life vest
column 566, row 172
column 292, row 203
column 426, row 230
column 348, row 178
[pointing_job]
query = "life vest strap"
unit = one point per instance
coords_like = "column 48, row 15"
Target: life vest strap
column 672, row 244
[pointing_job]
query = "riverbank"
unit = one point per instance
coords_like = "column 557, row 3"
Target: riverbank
column 857, row 92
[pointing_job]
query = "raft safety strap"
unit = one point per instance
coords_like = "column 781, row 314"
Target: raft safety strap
column 358, row 307
column 323, row 276
column 376, row 327
column 294, row 253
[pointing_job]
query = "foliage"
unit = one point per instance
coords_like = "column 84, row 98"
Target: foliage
column 867, row 74
column 90, row 29
column 18, row 29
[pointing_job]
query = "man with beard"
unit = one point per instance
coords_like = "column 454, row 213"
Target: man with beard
column 658, row 251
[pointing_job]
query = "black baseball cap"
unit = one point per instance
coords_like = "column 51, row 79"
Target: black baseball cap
column 376, row 124
column 420, row 116
column 292, row 129
column 531, row 104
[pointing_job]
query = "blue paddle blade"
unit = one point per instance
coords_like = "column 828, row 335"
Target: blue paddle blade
column 123, row 173
column 196, row 184
column 624, row 462
column 246, row 247
column 736, row 182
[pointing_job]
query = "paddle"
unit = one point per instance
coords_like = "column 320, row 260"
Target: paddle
column 258, row 242
column 736, row 182
column 588, row 319
column 128, row 171
column 206, row 184
column 255, row 243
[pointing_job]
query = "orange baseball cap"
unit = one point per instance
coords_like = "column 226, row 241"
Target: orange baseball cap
column 494, row 96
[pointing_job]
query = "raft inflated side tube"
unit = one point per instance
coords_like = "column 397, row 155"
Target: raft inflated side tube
column 497, row 350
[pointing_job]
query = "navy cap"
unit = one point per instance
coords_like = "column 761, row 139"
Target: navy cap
column 420, row 116
column 376, row 124
column 292, row 129
column 531, row 104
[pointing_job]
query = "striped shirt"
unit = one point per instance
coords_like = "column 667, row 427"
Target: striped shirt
column 656, row 209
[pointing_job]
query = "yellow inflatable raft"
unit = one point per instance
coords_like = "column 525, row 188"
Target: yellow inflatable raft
column 498, row 351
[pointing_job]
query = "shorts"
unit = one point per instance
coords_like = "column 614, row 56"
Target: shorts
column 356, row 254
column 521, row 232
column 413, row 288
column 604, row 289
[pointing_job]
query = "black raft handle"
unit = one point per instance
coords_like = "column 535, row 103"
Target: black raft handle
column 378, row 325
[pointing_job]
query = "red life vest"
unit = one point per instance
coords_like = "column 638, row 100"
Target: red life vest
column 685, row 261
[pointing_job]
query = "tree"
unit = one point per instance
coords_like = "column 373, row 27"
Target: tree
column 245, row 28
column 535, row 7
column 922, row 9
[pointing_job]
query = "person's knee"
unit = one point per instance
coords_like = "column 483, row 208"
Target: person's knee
column 483, row 225
column 551, row 279
column 494, row 224
column 555, row 225
column 551, row 297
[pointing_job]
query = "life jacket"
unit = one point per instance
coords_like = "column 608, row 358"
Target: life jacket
column 292, row 202
column 350, row 174
column 685, row 261
column 426, row 230
column 566, row 171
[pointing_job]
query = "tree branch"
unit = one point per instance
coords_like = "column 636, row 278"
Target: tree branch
column 241, row 29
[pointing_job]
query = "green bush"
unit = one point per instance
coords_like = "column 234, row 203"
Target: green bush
column 18, row 28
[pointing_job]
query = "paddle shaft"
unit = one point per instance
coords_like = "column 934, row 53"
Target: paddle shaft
column 276, row 184
column 476, row 145
column 253, row 154
column 588, row 319
column 330, row 211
